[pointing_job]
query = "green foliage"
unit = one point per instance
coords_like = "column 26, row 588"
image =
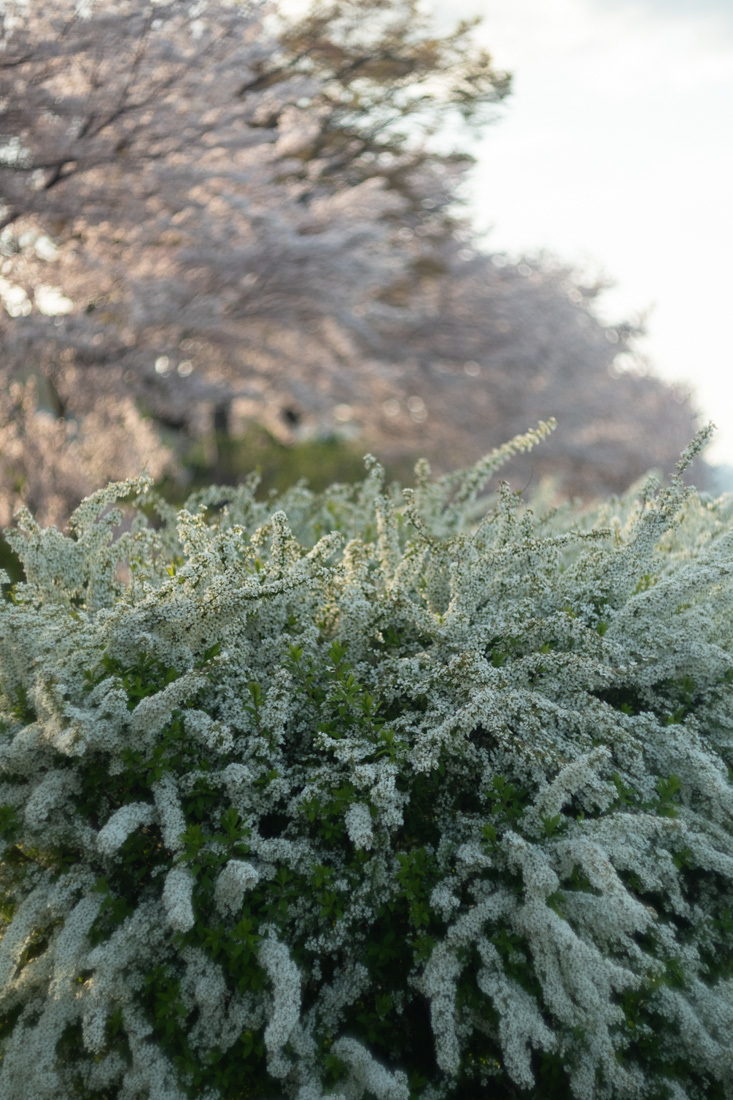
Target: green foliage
column 319, row 462
column 10, row 563
column 145, row 676
column 373, row 801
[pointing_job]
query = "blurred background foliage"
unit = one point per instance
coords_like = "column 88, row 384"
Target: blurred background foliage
column 233, row 237
column 321, row 462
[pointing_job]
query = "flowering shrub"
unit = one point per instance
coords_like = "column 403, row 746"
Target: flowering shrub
column 381, row 800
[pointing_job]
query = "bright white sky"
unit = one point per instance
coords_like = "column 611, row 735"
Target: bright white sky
column 616, row 151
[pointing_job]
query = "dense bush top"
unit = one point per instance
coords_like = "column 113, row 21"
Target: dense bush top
column 361, row 795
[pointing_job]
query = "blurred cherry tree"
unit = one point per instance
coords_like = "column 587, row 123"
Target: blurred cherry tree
column 212, row 211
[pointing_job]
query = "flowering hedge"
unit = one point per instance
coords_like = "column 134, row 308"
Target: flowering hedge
column 381, row 800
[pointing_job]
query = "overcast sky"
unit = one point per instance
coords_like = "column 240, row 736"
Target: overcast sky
column 616, row 151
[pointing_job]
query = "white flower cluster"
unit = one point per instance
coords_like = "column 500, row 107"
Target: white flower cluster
column 359, row 825
column 123, row 822
column 232, row 884
column 170, row 813
column 367, row 1074
column 432, row 793
column 177, row 898
column 285, row 1013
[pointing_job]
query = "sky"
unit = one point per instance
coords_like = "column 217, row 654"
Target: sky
column 615, row 152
